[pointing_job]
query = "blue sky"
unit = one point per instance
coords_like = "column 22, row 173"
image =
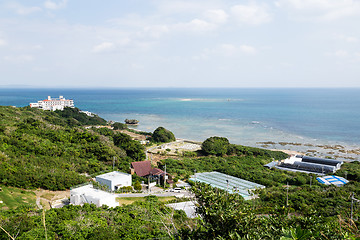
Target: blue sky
column 180, row 43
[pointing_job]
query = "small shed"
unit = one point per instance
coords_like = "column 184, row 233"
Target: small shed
column 114, row 180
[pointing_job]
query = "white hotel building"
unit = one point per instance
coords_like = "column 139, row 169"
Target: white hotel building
column 53, row 103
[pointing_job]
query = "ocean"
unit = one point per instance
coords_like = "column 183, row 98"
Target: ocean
column 314, row 121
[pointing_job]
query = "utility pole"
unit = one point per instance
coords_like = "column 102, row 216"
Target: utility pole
column 165, row 176
column 287, row 194
column 352, row 207
column 310, row 180
column 114, row 159
column 346, row 175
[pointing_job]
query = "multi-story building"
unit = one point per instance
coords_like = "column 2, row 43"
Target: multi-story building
column 53, row 103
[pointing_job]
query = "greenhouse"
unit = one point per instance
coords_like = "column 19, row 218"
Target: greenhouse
column 228, row 183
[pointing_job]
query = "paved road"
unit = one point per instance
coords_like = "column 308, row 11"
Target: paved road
column 182, row 193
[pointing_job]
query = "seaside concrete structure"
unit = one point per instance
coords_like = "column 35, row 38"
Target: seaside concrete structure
column 53, row 103
column 114, row 180
column 300, row 163
column 88, row 194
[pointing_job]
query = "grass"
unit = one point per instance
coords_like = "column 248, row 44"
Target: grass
column 130, row 200
column 48, row 196
column 12, row 197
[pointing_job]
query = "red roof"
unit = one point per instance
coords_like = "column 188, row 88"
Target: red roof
column 156, row 171
column 142, row 168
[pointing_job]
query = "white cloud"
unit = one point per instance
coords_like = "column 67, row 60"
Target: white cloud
column 195, row 25
column 216, row 16
column 226, row 50
column 19, row 58
column 103, row 47
column 156, row 31
column 172, row 7
column 338, row 53
column 341, row 53
column 54, row 6
column 247, row 49
column 321, row 9
column 2, row 42
column 23, row 10
column 349, row 39
column 252, row 14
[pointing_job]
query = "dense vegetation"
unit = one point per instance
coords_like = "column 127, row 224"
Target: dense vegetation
column 228, row 216
column 150, row 219
column 216, row 146
column 119, row 126
column 162, row 135
column 52, row 150
column 288, row 198
column 73, row 117
column 49, row 150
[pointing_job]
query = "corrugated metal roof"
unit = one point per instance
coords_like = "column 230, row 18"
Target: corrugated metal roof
column 227, row 183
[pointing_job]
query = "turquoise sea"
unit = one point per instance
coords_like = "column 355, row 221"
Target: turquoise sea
column 245, row 116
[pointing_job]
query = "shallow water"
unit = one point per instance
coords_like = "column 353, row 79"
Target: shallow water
column 244, row 116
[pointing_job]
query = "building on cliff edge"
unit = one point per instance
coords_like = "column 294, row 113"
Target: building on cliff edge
column 53, row 103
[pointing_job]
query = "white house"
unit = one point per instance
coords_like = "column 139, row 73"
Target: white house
column 53, row 103
column 115, row 180
column 88, row 194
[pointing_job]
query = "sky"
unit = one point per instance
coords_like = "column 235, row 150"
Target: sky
column 179, row 43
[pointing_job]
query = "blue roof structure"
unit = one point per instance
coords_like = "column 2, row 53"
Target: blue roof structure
column 227, row 183
column 335, row 180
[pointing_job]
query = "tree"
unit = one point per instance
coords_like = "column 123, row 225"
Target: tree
column 137, row 186
column 133, row 148
column 119, row 126
column 216, row 146
column 163, row 135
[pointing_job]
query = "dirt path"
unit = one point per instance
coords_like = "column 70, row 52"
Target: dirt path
column 48, row 199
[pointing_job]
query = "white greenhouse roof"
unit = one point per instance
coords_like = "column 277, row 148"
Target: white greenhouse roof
column 113, row 175
column 227, row 183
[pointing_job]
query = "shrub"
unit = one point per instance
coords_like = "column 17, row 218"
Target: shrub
column 163, row 135
column 137, row 186
column 215, row 146
column 119, row 126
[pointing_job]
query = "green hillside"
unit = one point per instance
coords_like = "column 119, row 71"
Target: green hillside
column 52, row 150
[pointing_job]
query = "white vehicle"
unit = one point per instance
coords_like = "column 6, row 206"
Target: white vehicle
column 177, row 189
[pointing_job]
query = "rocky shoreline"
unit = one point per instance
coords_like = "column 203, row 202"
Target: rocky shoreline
column 336, row 151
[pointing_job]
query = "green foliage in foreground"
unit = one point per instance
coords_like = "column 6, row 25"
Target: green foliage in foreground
column 228, row 216
column 328, row 201
column 149, row 219
column 36, row 152
column 162, row 135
